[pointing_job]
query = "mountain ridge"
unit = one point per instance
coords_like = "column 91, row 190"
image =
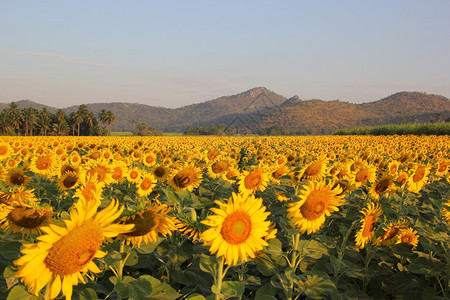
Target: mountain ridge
column 260, row 108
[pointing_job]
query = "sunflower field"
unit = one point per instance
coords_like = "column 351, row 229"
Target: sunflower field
column 326, row 217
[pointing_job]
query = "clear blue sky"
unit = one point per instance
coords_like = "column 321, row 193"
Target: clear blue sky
column 174, row 53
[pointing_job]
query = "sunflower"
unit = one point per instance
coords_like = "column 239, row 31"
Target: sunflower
column 46, row 165
column 365, row 174
column 5, row 150
column 65, row 253
column 237, row 228
column 67, row 181
column 252, row 181
column 442, row 167
column 17, row 196
column 149, row 159
column 315, row 170
column 134, row 175
column 16, row 177
column 219, row 167
column 149, row 224
column 161, row 172
column 68, row 167
column 384, row 185
column 231, row 175
column 278, row 172
column 366, row 233
column 91, row 190
column 25, row 218
column 446, row 212
column 316, row 200
column 409, row 236
column 391, row 234
column 146, row 184
column 418, row 178
column 187, row 177
column 393, row 167
column 119, row 170
column 97, row 168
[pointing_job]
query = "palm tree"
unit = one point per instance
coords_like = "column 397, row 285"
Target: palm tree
column 107, row 118
column 14, row 114
column 60, row 128
column 28, row 117
column 43, row 121
column 5, row 121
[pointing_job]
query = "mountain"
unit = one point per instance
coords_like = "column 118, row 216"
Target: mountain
column 259, row 109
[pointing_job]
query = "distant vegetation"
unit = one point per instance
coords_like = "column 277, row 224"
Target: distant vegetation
column 442, row 128
column 32, row 121
column 261, row 111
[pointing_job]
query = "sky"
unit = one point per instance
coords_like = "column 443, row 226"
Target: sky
column 178, row 52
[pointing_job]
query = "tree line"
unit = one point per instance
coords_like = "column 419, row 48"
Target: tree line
column 31, row 121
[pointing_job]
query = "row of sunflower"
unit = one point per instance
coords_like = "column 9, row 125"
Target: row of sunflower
column 249, row 217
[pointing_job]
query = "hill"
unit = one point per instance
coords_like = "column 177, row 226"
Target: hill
column 260, row 109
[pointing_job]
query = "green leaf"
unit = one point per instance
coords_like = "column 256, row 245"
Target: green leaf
column 147, row 249
column 312, row 249
column 274, row 248
column 132, row 288
column 265, row 265
column 195, row 297
column 266, row 292
column 19, row 292
column 208, row 264
column 8, row 275
column 10, row 249
column 160, row 291
column 132, row 259
column 232, row 288
column 317, row 287
column 88, row 294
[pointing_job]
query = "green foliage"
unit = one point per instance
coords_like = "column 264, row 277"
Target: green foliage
column 400, row 129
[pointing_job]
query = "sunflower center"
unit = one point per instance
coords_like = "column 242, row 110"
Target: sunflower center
column 362, row 176
column 402, row 178
column 230, row 174
column 70, row 181
column 159, row 172
column 3, row 150
column 313, row 169
column 406, row 239
column 442, row 167
column 117, row 174
column 278, row 173
column 369, row 226
column 236, row 228
column 252, row 180
column 419, row 174
column 43, row 163
column 134, row 174
column 315, row 205
column 26, row 217
column 66, row 169
column 75, row 250
column 220, row 166
column 393, row 169
column 17, row 179
column 391, row 233
column 146, row 184
column 382, row 186
column 149, row 159
column 183, row 179
column 143, row 223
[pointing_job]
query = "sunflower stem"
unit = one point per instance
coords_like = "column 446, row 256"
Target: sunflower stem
column 220, row 276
